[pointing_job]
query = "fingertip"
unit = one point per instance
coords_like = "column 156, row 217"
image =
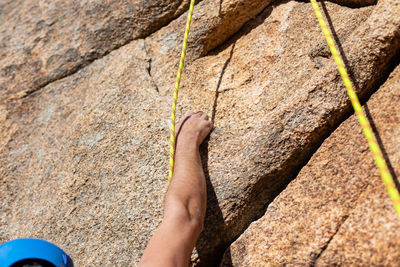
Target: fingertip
column 189, row 113
column 198, row 114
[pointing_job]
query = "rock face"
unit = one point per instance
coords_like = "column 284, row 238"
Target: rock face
column 84, row 158
column 43, row 41
column 336, row 212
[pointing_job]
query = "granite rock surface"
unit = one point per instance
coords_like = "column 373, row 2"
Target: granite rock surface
column 84, row 143
column 337, row 211
column 370, row 235
column 42, row 41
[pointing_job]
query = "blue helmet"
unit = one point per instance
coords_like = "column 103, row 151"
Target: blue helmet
column 17, row 251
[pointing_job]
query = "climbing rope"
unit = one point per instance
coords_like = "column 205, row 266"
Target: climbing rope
column 177, row 83
column 366, row 127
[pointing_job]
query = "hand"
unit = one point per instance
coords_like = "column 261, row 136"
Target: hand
column 193, row 128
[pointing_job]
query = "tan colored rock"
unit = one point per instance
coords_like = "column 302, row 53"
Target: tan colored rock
column 216, row 21
column 42, row 41
column 84, row 159
column 64, row 36
column 371, row 234
column 336, row 212
column 213, row 23
column 78, row 172
column 278, row 126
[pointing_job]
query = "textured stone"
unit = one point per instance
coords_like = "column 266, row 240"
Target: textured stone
column 278, row 121
column 371, row 234
column 78, row 168
column 213, row 23
column 84, row 159
column 336, row 212
column 63, row 36
column 42, row 41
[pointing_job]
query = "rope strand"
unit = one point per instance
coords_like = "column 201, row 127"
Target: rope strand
column 365, row 125
column 177, row 83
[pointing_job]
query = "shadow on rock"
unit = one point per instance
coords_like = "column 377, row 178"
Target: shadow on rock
column 208, row 255
column 214, row 225
column 364, row 99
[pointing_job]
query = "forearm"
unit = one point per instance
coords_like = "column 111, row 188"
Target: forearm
column 184, row 211
column 188, row 186
column 185, row 201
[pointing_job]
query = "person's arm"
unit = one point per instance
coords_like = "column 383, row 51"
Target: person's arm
column 185, row 201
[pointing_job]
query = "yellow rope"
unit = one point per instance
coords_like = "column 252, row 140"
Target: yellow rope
column 366, row 127
column 178, row 80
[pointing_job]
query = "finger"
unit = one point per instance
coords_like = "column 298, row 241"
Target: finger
column 198, row 114
column 188, row 113
column 204, row 116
